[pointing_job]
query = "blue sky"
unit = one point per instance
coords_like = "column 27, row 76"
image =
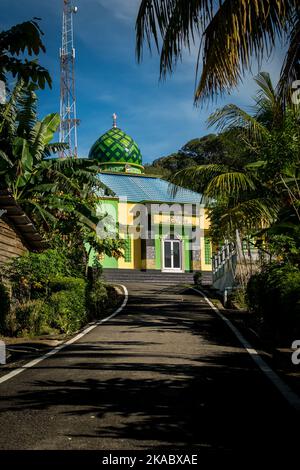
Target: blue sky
column 160, row 116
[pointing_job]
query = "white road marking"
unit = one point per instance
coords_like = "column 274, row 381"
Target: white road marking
column 55, row 350
column 292, row 398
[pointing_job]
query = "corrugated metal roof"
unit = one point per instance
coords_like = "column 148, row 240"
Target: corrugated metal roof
column 145, row 188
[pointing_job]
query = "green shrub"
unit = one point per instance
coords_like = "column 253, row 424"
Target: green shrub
column 274, row 295
column 67, row 304
column 4, row 307
column 238, row 296
column 64, row 309
column 31, row 317
column 31, row 273
column 197, row 278
column 97, row 298
column 66, row 283
column 68, row 312
column 45, row 294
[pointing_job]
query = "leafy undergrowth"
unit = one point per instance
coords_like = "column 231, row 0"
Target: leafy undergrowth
column 29, row 345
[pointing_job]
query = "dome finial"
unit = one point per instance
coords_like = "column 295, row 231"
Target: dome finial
column 114, row 116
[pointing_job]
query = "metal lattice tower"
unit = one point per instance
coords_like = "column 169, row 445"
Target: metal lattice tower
column 68, row 118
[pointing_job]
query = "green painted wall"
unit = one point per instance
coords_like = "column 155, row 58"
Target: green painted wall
column 157, row 253
column 111, row 208
column 109, row 262
column 187, row 255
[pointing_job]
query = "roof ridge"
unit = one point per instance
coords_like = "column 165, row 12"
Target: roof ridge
column 122, row 173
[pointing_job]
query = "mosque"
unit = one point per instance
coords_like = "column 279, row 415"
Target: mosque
column 164, row 227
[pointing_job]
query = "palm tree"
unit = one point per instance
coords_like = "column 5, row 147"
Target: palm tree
column 228, row 34
column 25, row 145
column 266, row 189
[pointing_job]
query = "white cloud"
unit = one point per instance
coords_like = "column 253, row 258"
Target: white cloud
column 124, row 10
column 105, row 98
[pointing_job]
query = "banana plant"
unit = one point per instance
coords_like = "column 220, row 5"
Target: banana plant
column 42, row 185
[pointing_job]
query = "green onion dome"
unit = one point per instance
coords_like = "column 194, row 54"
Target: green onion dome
column 117, row 151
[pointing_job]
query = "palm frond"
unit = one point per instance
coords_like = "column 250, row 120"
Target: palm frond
column 228, row 33
column 266, row 89
column 182, row 31
column 252, row 214
column 233, row 117
column 268, row 103
column 195, row 177
column 173, row 25
column 230, row 184
column 240, row 30
column 290, row 71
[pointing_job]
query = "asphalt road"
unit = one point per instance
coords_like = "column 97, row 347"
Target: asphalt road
column 165, row 373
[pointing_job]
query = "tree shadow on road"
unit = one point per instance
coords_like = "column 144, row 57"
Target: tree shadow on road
column 217, row 401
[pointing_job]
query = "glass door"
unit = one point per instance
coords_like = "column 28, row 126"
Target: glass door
column 168, row 254
column 172, row 255
column 176, row 254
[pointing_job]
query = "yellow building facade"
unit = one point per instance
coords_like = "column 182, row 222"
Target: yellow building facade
column 165, row 228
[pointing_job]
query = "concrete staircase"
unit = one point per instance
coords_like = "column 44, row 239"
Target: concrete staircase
column 158, row 277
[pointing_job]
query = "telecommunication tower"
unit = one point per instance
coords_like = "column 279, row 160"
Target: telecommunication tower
column 68, row 117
